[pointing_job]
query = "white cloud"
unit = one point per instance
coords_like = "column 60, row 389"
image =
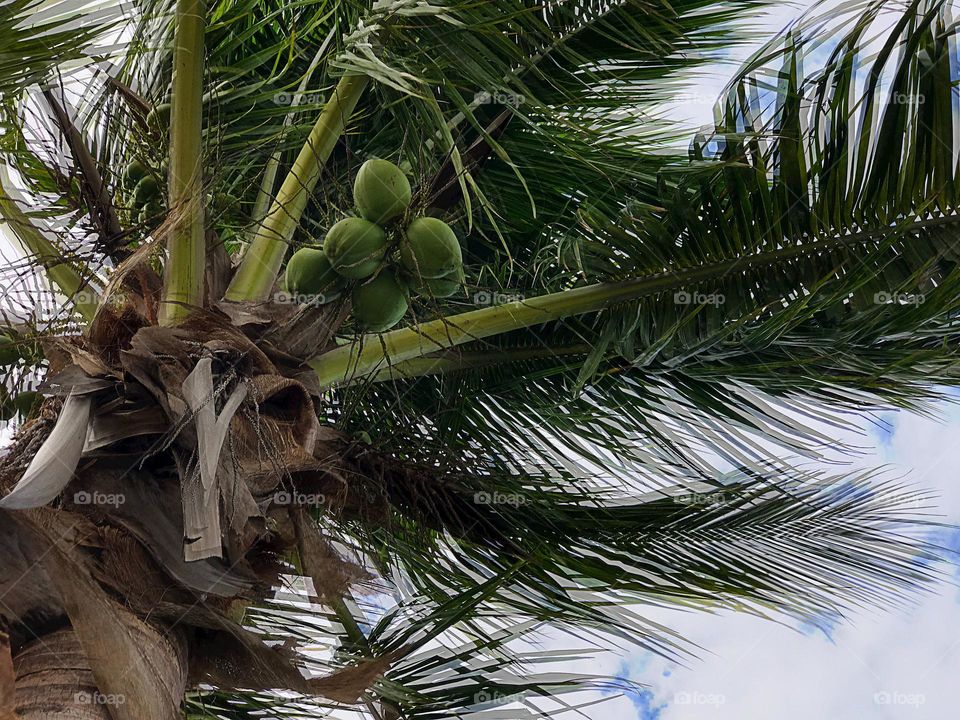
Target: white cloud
column 874, row 664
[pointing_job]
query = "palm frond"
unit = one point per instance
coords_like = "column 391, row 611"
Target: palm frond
column 471, row 596
column 43, row 37
column 778, row 304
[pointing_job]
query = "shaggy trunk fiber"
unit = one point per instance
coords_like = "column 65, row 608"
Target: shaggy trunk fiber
column 109, row 522
column 55, row 682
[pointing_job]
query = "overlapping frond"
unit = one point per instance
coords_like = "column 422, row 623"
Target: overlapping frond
column 43, row 37
column 793, row 282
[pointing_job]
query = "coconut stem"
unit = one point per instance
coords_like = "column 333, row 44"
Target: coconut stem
column 186, row 246
column 371, row 354
column 455, row 361
column 265, row 196
column 375, row 354
column 262, row 260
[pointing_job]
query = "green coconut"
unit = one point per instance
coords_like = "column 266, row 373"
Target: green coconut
column 151, row 210
column 355, row 248
column 135, row 172
column 146, row 190
column 309, row 272
column 159, row 116
column 27, row 402
column 430, row 249
column 381, row 191
column 381, row 303
column 9, row 350
column 441, row 287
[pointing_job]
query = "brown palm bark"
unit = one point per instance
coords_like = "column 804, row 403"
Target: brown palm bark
column 102, row 550
column 54, row 681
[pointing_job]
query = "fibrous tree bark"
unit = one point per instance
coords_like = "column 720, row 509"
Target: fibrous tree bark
column 101, row 573
column 54, row 681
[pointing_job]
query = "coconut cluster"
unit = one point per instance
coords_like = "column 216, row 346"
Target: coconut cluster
column 145, row 187
column 13, row 353
column 144, row 184
column 381, row 259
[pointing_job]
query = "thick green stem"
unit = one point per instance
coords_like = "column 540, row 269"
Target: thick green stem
column 60, row 272
column 372, row 353
column 456, row 361
column 186, row 244
column 376, row 353
column 265, row 196
column 261, row 263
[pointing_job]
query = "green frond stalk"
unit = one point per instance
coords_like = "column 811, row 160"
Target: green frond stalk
column 370, row 353
column 376, row 353
column 265, row 195
column 455, row 361
column 61, row 273
column 186, row 245
column 262, row 261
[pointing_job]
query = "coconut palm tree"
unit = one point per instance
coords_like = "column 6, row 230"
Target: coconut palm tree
column 235, row 501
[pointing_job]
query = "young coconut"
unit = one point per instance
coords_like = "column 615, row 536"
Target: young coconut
column 135, row 172
column 159, row 116
column 309, row 272
column 381, row 303
column 152, row 209
column 355, row 248
column 9, row 350
column 430, row 249
column 381, row 191
column 442, row 287
column 146, row 190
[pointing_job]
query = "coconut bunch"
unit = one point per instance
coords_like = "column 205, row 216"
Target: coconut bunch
column 377, row 256
column 144, row 185
column 13, row 353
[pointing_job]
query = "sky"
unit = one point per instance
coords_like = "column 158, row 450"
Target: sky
column 873, row 664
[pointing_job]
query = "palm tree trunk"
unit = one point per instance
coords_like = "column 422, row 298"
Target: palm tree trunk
column 54, row 681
